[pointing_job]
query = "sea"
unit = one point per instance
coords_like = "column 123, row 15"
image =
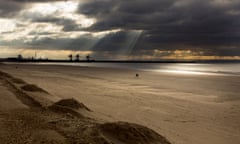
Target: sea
column 180, row 68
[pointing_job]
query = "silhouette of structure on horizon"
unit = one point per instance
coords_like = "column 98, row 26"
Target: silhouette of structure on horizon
column 77, row 57
column 88, row 57
column 19, row 57
column 70, row 57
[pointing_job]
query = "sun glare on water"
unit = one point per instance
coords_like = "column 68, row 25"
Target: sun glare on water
column 188, row 69
column 185, row 72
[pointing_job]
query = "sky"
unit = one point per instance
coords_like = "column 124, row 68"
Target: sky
column 121, row 29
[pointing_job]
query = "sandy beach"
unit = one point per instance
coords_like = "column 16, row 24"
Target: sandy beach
column 185, row 109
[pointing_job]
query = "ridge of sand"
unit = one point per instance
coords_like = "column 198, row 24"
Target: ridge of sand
column 62, row 123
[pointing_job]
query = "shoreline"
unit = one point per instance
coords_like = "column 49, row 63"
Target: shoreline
column 14, row 59
column 168, row 68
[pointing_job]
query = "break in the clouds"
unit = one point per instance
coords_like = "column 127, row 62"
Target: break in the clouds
column 126, row 29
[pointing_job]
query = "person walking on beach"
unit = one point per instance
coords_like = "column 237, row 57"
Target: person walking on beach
column 137, row 75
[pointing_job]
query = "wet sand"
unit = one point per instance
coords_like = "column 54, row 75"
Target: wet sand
column 185, row 109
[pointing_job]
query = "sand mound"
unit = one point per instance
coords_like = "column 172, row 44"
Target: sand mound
column 68, row 106
column 6, row 75
column 32, row 88
column 71, row 103
column 109, row 133
column 18, row 81
column 122, row 132
column 65, row 110
column 11, row 78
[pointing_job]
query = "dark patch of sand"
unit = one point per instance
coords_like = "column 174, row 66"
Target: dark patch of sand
column 18, row 81
column 64, row 110
column 71, row 103
column 68, row 106
column 131, row 133
column 32, row 88
column 28, row 127
column 5, row 75
column 10, row 83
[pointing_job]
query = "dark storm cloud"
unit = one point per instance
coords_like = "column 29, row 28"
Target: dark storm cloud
column 113, row 14
column 68, row 24
column 9, row 8
column 162, row 15
column 213, row 26
column 26, row 1
column 83, row 42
